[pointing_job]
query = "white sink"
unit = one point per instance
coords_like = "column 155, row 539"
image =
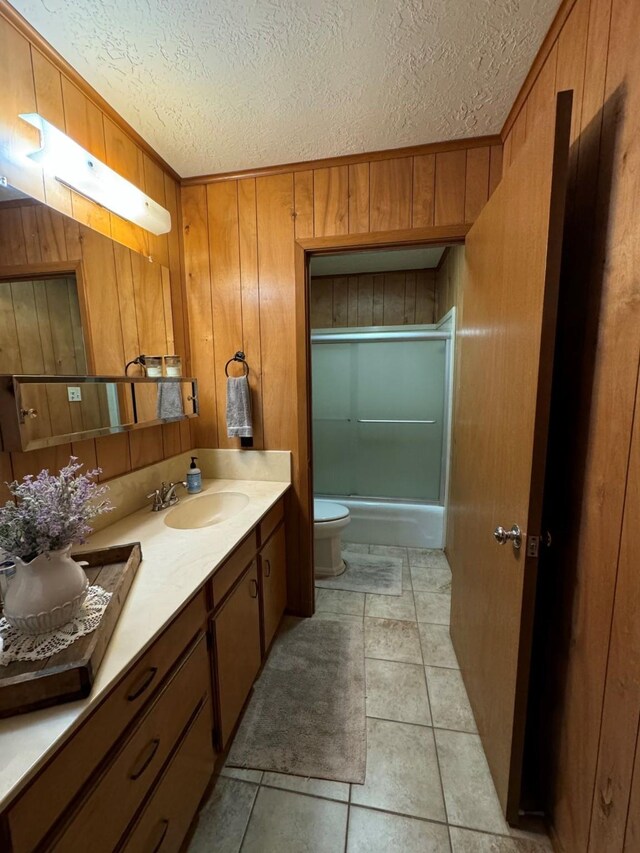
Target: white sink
column 206, row 510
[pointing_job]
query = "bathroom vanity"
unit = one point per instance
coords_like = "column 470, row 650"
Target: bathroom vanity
column 127, row 768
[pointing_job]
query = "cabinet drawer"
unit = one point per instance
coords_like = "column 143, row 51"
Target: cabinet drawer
column 231, row 569
column 236, row 631
column 168, row 815
column 38, row 808
column 273, row 570
column 271, row 520
column 108, row 809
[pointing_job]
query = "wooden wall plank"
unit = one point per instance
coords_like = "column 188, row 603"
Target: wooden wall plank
column 145, row 447
column 451, row 167
column 226, row 295
column 113, row 456
column 198, row 281
column 378, row 300
column 340, row 301
column 495, row 168
column 48, row 89
column 18, row 96
column 358, row 198
column 331, row 201
column 275, row 229
column 390, row 187
column 84, row 124
column 425, row 296
column 621, row 711
column 365, row 300
column 404, row 298
column 303, row 187
column 125, row 157
column 424, row 188
column 476, row 182
column 394, row 289
column 251, row 338
column 105, row 322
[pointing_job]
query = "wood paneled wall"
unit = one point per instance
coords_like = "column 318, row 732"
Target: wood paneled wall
column 449, row 282
column 239, row 238
column 35, row 79
column 592, row 779
column 41, row 326
column 372, row 299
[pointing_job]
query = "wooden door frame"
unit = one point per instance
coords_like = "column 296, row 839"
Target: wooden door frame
column 305, row 248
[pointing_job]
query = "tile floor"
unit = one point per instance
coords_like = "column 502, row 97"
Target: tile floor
column 427, row 787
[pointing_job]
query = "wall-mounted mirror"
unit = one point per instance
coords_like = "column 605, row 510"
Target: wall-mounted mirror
column 42, row 411
column 72, row 300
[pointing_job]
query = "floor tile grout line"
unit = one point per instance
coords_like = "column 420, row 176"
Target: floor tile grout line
column 425, row 725
column 490, row 833
column 435, row 747
column 253, row 805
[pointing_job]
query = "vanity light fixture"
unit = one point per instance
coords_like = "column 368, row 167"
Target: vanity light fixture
column 85, row 174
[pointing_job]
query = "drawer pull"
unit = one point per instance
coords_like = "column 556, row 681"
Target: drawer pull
column 150, row 749
column 267, row 572
column 146, row 681
column 253, row 588
column 165, row 826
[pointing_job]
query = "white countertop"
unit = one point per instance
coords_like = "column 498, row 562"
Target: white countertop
column 175, row 564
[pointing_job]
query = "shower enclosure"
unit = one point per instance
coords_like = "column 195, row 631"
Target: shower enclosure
column 381, row 428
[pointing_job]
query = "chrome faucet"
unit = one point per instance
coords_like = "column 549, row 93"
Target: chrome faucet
column 165, row 496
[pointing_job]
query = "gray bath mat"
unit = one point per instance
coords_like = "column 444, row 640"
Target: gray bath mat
column 307, row 713
column 368, row 573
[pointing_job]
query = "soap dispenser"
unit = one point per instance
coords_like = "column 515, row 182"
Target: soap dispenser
column 194, row 477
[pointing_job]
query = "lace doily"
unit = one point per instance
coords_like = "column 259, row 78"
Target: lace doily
column 16, row 646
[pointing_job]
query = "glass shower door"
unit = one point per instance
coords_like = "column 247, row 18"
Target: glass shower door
column 379, row 418
column 400, row 396
column 332, row 394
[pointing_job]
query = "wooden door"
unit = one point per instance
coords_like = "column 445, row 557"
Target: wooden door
column 236, row 630
column 273, row 564
column 505, row 357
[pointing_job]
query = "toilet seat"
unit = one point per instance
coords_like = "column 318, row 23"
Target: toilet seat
column 326, row 511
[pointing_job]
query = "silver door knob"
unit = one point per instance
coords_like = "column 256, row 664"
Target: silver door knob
column 503, row 536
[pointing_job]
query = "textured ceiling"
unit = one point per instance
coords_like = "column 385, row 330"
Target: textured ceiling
column 219, row 85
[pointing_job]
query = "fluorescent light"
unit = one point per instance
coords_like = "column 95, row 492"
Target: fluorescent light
column 85, row 174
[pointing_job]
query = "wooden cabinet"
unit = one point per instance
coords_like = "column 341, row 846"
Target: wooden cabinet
column 108, row 809
column 91, row 789
column 67, row 777
column 174, row 801
column 237, row 650
column 133, row 774
column 273, row 576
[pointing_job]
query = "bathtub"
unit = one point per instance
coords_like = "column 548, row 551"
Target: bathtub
column 380, row 522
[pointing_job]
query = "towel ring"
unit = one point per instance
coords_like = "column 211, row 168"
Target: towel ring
column 239, row 357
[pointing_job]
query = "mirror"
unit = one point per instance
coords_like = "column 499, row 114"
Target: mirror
column 72, row 300
column 41, row 326
column 37, row 412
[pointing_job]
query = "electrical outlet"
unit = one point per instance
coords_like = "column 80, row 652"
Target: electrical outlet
column 74, row 393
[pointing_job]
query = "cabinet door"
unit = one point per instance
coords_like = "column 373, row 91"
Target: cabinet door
column 236, row 632
column 168, row 815
column 273, row 567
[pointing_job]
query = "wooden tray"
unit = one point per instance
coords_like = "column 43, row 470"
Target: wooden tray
column 69, row 674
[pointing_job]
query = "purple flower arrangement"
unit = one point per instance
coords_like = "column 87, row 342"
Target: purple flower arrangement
column 51, row 511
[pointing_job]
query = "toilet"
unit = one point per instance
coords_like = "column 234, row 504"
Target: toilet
column 329, row 520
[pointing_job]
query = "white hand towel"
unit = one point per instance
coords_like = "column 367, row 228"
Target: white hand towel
column 239, row 421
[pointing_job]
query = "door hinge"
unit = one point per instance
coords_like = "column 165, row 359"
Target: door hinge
column 533, row 546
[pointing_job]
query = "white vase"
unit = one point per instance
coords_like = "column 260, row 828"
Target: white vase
column 45, row 593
